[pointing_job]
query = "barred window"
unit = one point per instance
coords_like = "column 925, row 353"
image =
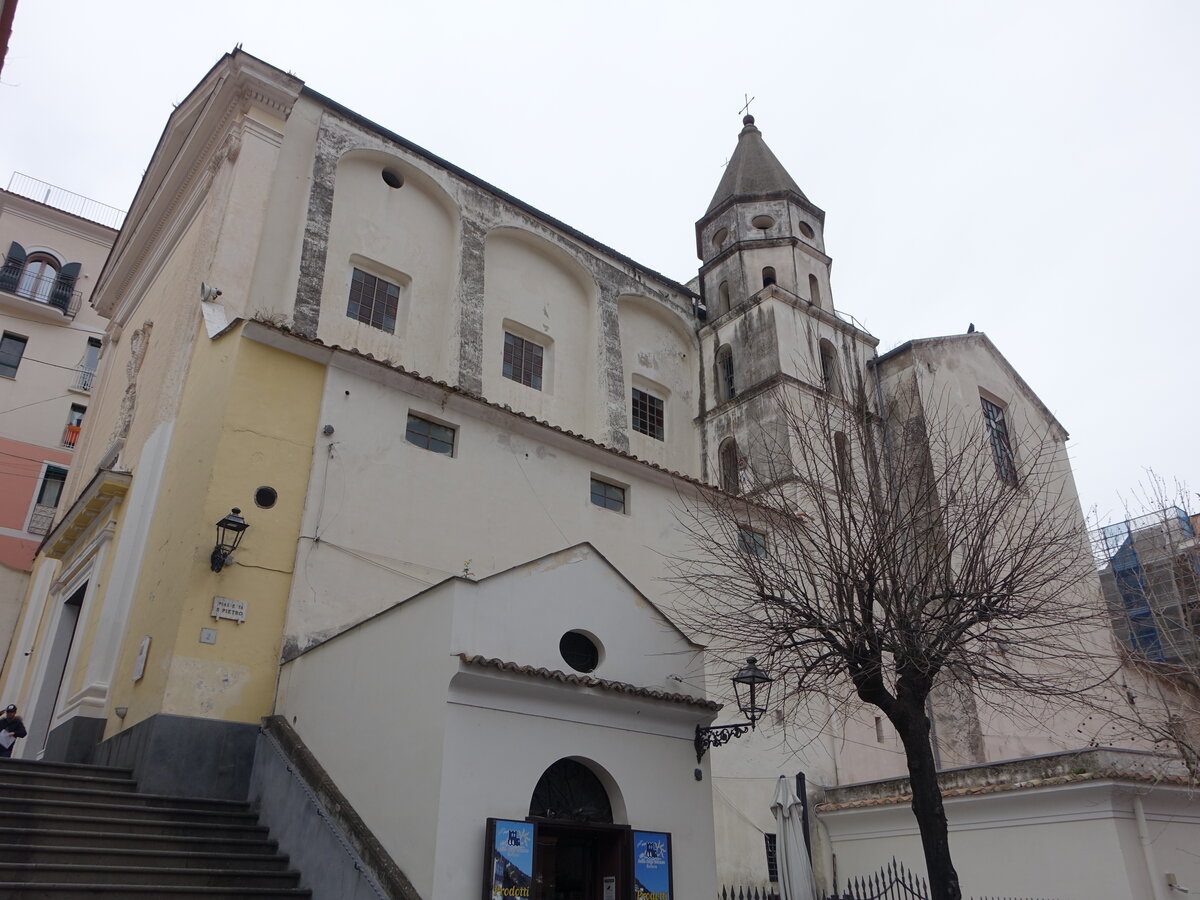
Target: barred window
column 772, row 865
column 997, row 429
column 373, row 301
column 752, row 542
column 648, row 414
column 610, row 496
column 430, row 435
column 523, row 361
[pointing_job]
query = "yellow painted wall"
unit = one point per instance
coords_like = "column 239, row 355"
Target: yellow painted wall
column 248, row 418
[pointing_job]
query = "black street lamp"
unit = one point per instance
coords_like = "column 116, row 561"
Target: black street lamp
column 751, row 686
column 229, row 535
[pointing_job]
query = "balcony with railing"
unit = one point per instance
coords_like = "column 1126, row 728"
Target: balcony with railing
column 70, row 436
column 41, row 519
column 83, row 379
column 40, row 283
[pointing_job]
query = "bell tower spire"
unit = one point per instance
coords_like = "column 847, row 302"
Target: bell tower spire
column 760, row 229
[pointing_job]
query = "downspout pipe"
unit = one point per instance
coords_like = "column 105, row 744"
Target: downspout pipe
column 1157, row 885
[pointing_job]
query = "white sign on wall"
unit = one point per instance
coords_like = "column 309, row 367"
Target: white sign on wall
column 225, row 608
column 139, row 667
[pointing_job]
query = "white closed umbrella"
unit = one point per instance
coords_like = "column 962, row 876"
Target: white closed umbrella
column 791, row 855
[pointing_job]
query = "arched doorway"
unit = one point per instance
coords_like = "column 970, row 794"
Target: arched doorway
column 581, row 854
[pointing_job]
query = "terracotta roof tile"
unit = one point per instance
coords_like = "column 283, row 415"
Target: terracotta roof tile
column 617, row 687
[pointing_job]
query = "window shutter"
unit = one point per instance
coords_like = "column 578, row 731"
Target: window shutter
column 64, row 285
column 13, row 264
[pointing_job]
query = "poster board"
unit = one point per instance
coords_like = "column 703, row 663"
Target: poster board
column 652, row 865
column 508, row 866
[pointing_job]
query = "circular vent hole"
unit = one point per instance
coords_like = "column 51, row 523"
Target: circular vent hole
column 265, row 497
column 806, row 230
column 392, row 178
column 720, row 237
column 580, row 651
column 763, row 222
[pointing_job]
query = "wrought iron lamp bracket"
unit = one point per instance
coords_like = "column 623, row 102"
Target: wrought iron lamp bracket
column 718, row 735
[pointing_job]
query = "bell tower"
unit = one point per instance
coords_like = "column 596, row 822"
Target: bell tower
column 760, row 229
column 771, row 324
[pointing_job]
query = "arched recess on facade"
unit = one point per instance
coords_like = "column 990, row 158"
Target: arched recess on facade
column 729, row 466
column 396, row 230
column 726, row 376
column 577, row 789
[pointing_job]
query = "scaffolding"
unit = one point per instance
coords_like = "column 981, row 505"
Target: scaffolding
column 1149, row 570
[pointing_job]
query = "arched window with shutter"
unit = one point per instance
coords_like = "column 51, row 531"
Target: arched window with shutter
column 39, row 276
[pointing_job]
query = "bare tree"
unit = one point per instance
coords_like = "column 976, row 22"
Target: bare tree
column 873, row 549
column 1149, row 566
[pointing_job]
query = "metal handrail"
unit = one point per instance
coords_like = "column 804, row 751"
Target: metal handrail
column 39, row 289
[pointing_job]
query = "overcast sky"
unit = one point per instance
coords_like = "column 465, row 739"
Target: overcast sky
column 1033, row 168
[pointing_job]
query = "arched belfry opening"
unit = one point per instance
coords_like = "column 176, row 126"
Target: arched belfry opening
column 570, row 791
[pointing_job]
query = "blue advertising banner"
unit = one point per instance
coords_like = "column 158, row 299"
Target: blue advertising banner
column 651, row 865
column 510, row 851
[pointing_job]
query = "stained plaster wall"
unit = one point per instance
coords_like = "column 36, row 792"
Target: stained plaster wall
column 244, row 422
column 478, row 307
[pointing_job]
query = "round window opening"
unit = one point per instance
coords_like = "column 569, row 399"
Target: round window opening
column 265, row 497
column 579, row 651
column 763, row 222
column 720, row 237
column 806, row 230
column 392, row 178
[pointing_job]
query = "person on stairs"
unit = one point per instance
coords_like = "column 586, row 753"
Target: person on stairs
column 11, row 728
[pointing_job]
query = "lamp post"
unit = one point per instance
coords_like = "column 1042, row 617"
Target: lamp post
column 751, row 686
column 229, row 535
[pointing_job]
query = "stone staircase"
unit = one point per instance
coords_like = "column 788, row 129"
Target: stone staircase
column 71, row 831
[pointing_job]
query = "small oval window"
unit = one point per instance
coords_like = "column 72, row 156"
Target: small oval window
column 763, row 222
column 720, row 237
column 579, row 651
column 806, row 230
column 392, row 178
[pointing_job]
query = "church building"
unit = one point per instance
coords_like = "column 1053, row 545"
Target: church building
column 382, row 451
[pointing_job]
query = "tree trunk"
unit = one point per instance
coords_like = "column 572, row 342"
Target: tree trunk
column 913, row 726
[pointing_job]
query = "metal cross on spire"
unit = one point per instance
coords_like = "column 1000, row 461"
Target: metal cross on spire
column 746, row 109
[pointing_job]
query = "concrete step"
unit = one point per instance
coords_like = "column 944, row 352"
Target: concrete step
column 97, row 840
column 30, row 873
column 15, row 793
column 178, row 858
column 29, row 777
column 37, row 765
column 164, row 813
column 247, row 830
column 24, row 891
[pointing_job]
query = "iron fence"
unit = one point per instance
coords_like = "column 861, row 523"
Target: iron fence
column 895, row 882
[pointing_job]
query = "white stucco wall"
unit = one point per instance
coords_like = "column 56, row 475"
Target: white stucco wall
column 1075, row 842
column 462, row 742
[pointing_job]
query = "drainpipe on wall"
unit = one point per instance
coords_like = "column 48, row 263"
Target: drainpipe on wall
column 1139, row 814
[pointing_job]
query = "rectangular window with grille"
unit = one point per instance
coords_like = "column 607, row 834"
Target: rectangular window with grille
column 648, row 415
column 609, row 496
column 523, row 361
column 12, row 348
column 752, row 542
column 430, row 435
column 373, row 301
column 997, row 429
column 772, row 864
